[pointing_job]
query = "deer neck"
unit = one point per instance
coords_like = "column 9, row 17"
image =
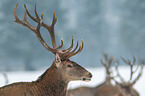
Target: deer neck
column 52, row 82
column 108, row 78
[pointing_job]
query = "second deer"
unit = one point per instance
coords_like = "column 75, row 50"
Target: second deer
column 54, row 81
column 125, row 88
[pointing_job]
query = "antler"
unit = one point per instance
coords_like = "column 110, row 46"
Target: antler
column 107, row 62
column 139, row 75
column 64, row 53
column 131, row 64
column 36, row 30
column 50, row 28
column 118, row 74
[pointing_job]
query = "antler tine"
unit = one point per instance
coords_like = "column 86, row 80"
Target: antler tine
column 15, row 14
column 136, row 68
column 73, row 52
column 33, row 18
column 107, row 60
column 24, row 22
column 76, row 46
column 60, row 44
column 51, row 31
column 25, row 17
column 50, row 28
column 116, row 81
column 103, row 62
column 134, row 59
column 80, row 48
column 126, row 61
column 132, row 72
column 139, row 75
column 36, row 30
column 37, row 16
column 118, row 74
column 70, row 48
column 54, row 19
column 131, row 66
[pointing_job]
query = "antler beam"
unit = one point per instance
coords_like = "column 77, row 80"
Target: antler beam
column 64, row 53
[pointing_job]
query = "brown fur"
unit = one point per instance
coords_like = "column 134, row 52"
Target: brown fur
column 52, row 83
column 104, row 89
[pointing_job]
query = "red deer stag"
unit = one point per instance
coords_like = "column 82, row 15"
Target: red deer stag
column 107, row 89
column 125, row 88
column 104, row 89
column 54, row 81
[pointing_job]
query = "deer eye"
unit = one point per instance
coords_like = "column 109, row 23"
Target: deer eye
column 70, row 66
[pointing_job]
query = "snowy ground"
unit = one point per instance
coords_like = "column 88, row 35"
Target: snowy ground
column 98, row 77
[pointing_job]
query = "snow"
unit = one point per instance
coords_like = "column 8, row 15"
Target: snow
column 98, row 77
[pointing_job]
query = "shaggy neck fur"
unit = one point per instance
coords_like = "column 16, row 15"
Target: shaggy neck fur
column 52, row 83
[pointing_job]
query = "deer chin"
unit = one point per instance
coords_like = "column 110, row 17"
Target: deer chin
column 86, row 79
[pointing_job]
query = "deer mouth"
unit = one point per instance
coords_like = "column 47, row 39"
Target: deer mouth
column 86, row 79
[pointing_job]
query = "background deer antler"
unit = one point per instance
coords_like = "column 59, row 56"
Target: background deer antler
column 107, row 63
column 132, row 71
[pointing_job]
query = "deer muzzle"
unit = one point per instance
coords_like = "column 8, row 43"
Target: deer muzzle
column 88, row 77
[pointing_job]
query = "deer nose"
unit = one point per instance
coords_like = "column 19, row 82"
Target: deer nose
column 90, row 75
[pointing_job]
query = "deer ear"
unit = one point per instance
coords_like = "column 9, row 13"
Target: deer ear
column 57, row 60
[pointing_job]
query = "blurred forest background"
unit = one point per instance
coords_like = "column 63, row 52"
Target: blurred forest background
column 116, row 27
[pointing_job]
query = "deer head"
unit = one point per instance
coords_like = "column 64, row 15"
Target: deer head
column 69, row 69
column 126, row 87
column 103, row 89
